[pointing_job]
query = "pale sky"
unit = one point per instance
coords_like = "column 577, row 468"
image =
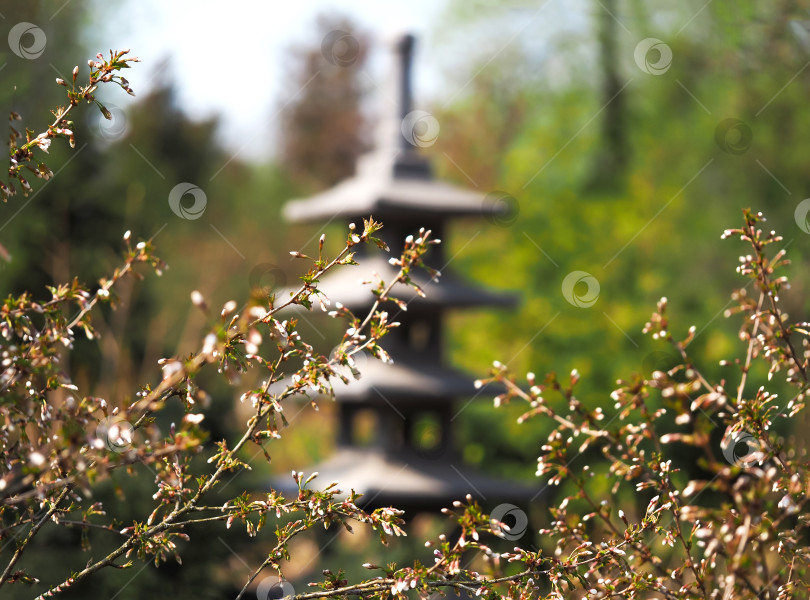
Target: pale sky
column 230, row 60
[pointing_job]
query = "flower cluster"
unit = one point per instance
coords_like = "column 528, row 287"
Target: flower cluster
column 21, row 153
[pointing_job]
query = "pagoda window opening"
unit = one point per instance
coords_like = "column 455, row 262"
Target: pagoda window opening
column 420, row 335
column 365, row 427
column 427, row 435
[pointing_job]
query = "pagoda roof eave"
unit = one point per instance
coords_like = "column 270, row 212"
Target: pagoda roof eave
column 406, row 480
column 406, row 381
column 387, row 197
column 352, row 286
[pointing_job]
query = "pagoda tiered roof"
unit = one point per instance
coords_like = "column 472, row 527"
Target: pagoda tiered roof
column 346, row 285
column 407, row 380
column 409, row 481
column 388, row 186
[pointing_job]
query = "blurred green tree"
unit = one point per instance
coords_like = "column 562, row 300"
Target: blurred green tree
column 538, row 122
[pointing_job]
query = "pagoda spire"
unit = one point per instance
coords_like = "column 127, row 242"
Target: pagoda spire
column 398, row 97
column 394, row 155
column 394, row 182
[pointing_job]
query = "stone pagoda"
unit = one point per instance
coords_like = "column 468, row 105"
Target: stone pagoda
column 395, row 184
